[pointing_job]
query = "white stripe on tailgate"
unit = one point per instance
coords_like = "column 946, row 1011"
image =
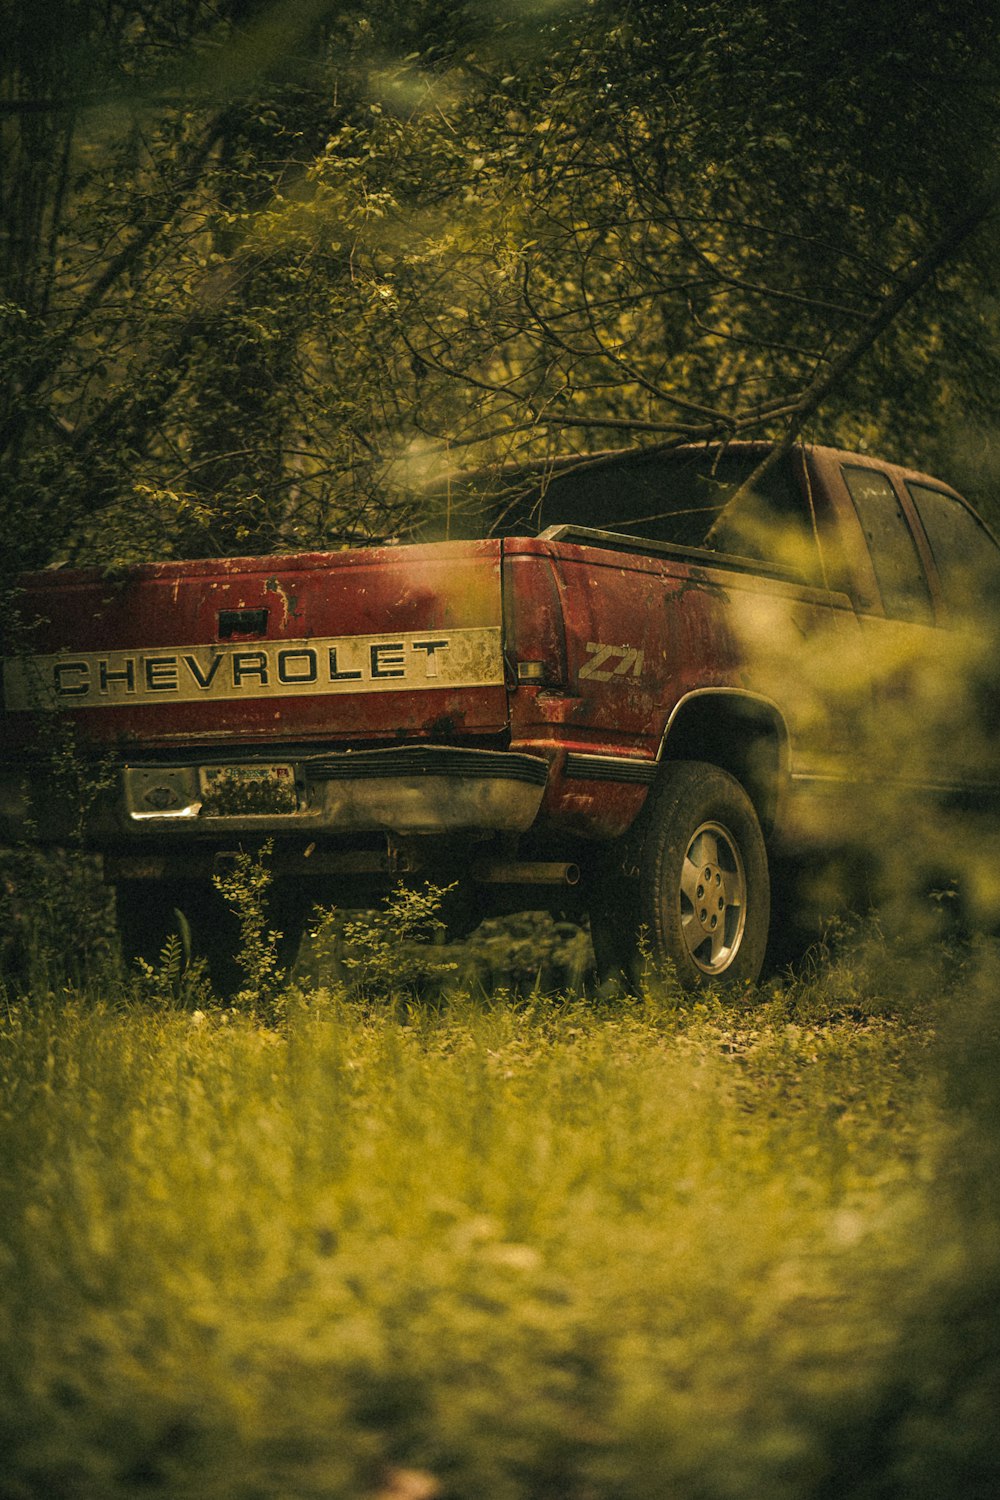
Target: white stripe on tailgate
column 408, row 660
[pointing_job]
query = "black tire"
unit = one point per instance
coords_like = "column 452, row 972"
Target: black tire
column 701, row 900
column 147, row 915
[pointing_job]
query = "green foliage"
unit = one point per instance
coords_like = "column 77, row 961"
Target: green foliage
column 528, row 953
column 509, row 1250
column 245, row 889
column 270, row 268
column 179, row 979
column 56, row 924
column 391, row 952
column 399, row 951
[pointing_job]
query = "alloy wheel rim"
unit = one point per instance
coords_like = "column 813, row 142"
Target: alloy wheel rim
column 712, row 897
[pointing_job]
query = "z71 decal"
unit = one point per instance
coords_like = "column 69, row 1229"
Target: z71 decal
column 191, row 674
column 609, row 662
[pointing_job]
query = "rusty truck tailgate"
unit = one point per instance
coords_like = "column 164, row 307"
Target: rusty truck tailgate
column 360, row 646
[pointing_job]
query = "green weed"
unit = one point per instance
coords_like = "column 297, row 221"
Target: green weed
column 245, row 888
column 510, row 1248
column 179, row 978
column 391, row 951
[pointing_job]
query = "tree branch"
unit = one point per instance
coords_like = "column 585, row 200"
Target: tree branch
column 907, row 288
column 116, row 268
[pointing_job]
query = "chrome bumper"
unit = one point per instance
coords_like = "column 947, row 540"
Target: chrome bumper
column 418, row 789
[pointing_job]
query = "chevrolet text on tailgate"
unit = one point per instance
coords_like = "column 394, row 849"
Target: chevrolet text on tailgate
column 645, row 692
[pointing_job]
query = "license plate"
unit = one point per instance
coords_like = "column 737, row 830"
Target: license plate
column 232, row 791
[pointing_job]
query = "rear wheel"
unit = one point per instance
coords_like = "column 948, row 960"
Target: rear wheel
column 701, row 900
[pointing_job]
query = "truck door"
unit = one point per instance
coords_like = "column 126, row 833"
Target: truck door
column 922, row 730
column 966, row 560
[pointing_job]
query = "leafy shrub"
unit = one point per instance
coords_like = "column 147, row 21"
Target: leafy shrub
column 56, row 921
column 179, row 979
column 528, row 952
column 389, row 952
column 245, row 888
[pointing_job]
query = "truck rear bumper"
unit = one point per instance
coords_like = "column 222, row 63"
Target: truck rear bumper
column 418, row 789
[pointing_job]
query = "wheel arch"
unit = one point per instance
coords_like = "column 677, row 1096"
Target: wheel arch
column 739, row 731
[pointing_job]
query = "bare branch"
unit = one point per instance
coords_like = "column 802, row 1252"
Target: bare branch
column 907, row 289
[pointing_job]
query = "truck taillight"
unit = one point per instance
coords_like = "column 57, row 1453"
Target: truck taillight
column 534, row 633
column 531, row 671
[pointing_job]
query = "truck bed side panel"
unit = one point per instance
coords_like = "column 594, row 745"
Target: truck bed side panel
column 643, row 635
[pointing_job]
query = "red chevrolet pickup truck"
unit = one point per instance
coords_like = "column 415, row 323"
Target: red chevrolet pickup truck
column 626, row 686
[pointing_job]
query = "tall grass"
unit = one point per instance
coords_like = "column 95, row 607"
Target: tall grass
column 500, row 1249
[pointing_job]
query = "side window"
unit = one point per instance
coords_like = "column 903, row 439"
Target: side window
column 967, row 557
column 898, row 569
column 771, row 524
